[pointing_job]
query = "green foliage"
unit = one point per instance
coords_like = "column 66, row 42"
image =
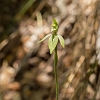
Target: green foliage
column 52, row 43
column 45, row 38
column 61, row 40
column 53, row 40
column 26, row 6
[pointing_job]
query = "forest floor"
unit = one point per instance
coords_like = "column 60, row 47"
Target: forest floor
column 26, row 67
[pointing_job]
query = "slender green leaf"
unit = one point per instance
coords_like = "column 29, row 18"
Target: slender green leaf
column 44, row 38
column 50, row 44
column 26, row 6
column 53, row 40
column 61, row 39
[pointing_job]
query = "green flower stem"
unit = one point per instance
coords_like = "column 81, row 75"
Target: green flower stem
column 55, row 71
column 52, row 43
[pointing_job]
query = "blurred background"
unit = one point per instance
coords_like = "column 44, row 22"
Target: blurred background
column 26, row 68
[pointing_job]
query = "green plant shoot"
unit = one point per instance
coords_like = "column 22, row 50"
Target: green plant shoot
column 52, row 43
